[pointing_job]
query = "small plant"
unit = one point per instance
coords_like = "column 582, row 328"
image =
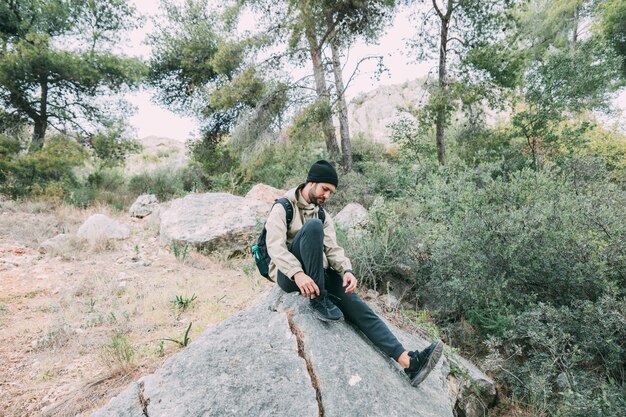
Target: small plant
column 185, row 340
column 136, row 256
column 160, row 349
column 181, row 302
column 91, row 304
column 119, row 355
column 180, row 252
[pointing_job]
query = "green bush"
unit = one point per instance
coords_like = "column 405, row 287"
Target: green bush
column 54, row 163
column 283, row 165
column 167, row 183
column 532, row 262
column 388, row 246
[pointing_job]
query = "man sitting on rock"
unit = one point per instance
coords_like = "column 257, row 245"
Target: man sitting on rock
column 307, row 258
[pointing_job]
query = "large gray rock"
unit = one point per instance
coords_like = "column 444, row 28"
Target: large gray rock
column 144, row 206
column 212, row 220
column 99, row 226
column 276, row 359
column 351, row 216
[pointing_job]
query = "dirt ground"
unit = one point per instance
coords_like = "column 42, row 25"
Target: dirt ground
column 81, row 321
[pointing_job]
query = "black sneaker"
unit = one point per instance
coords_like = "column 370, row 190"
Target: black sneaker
column 423, row 362
column 325, row 310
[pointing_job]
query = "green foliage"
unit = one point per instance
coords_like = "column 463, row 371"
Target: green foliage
column 413, row 138
column 534, row 261
column 182, row 302
column 167, row 184
column 53, row 164
column 36, row 74
column 119, row 355
column 549, row 356
column 197, row 70
column 388, row 246
column 214, row 158
column 111, row 145
column 612, row 25
column 181, row 252
column 184, row 341
column 283, row 165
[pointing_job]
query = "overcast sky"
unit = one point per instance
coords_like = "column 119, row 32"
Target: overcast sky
column 153, row 120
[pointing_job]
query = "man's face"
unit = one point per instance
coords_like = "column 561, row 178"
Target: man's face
column 320, row 192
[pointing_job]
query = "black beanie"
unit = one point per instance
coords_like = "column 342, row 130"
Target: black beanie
column 323, row 171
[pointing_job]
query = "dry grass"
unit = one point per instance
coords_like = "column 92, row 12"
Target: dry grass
column 82, row 321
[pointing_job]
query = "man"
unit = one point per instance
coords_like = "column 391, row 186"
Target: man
column 307, row 258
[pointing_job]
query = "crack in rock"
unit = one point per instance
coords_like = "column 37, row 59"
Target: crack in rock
column 309, row 365
column 143, row 401
column 274, row 307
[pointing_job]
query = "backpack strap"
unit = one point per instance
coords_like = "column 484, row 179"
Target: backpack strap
column 321, row 214
column 284, row 201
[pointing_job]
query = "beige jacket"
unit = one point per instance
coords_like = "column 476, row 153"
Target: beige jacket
column 278, row 238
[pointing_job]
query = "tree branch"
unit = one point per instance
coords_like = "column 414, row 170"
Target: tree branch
column 438, row 10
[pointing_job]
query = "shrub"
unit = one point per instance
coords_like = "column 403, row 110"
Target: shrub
column 119, row 355
column 55, row 162
column 534, row 262
column 162, row 182
column 389, row 245
column 283, row 165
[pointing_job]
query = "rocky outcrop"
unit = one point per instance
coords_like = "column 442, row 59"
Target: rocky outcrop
column 212, row 221
column 371, row 112
column 473, row 392
column 265, row 193
column 143, row 206
column 99, row 226
column 276, row 359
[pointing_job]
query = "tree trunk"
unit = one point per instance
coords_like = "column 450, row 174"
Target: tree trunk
column 342, row 108
column 575, row 27
column 322, row 92
column 41, row 119
column 440, row 121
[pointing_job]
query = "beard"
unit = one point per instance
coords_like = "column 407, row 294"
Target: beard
column 313, row 198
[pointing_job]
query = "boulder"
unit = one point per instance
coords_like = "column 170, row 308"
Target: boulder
column 473, row 391
column 54, row 244
column 99, row 226
column 276, row 359
column 265, row 193
column 212, row 221
column 144, row 206
column 351, row 216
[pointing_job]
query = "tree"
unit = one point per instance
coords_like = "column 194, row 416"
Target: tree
column 334, row 24
column 198, row 71
column 569, row 81
column 55, row 61
column 612, row 14
column 568, row 71
column 461, row 25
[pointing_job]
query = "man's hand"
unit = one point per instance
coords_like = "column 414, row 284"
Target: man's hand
column 349, row 280
column 308, row 287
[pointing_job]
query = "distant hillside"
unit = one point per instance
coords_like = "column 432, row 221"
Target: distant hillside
column 158, row 152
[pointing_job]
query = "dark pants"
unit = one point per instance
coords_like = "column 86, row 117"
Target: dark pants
column 308, row 246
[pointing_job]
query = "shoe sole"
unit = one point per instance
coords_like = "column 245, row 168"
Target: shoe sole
column 326, row 319
column 432, row 361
